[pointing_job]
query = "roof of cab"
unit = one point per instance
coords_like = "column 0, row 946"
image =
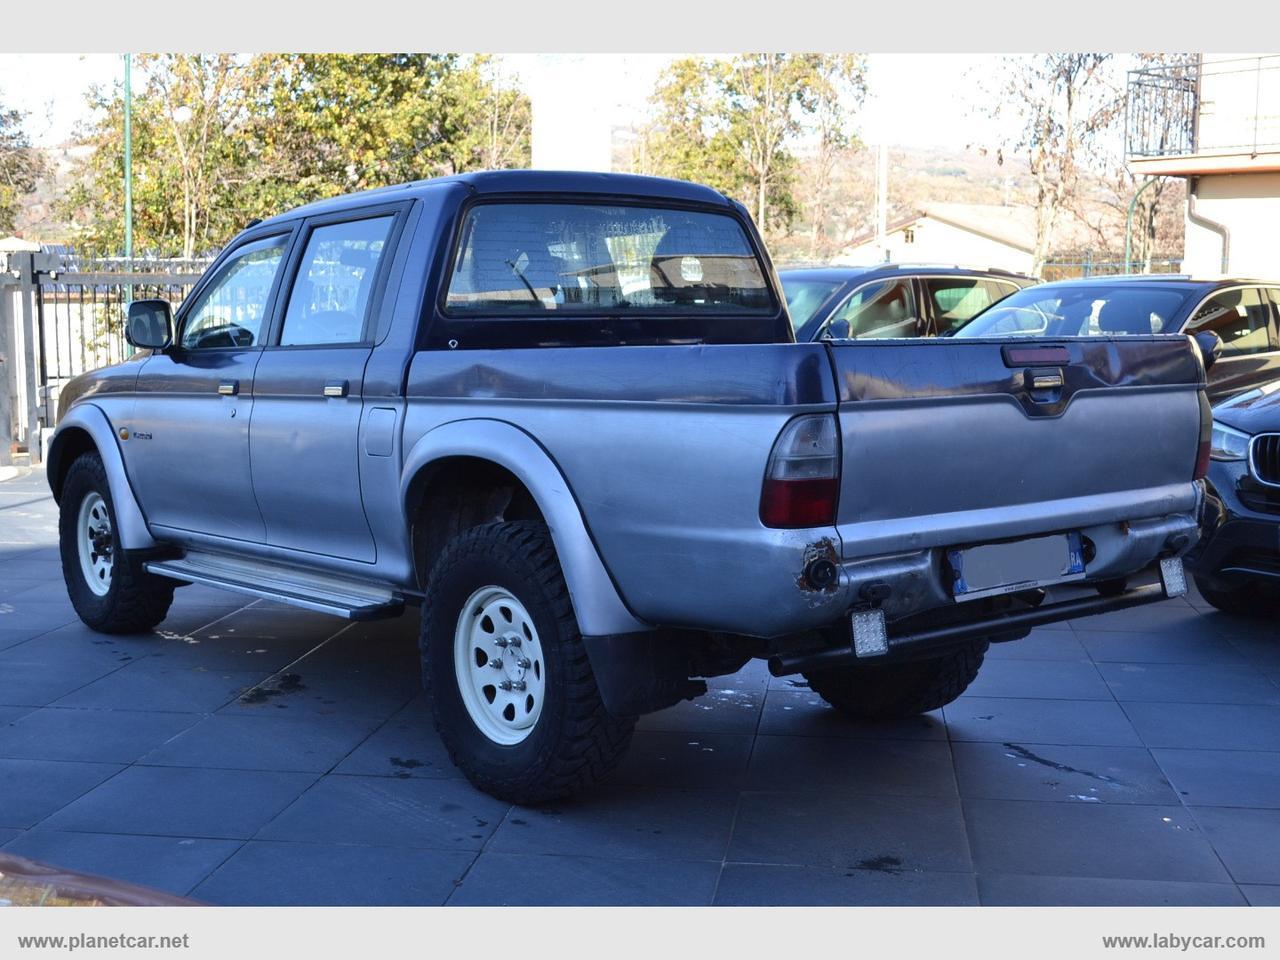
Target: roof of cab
column 491, row 182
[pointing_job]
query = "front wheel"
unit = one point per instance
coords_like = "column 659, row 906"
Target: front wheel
column 893, row 691
column 1251, row 599
column 513, row 695
column 109, row 589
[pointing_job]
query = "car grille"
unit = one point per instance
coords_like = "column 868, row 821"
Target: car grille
column 1264, row 458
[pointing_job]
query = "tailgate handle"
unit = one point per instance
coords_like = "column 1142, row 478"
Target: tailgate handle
column 1046, row 381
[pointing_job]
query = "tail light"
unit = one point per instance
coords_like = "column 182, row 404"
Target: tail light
column 1206, row 439
column 802, row 480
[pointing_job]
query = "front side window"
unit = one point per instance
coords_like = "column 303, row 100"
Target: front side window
column 520, row 259
column 878, row 309
column 1241, row 317
column 232, row 309
column 957, row 299
column 331, row 293
column 1070, row 309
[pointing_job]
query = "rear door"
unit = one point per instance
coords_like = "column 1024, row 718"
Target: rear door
column 948, row 441
column 309, row 387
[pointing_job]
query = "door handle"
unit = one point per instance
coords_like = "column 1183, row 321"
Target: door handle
column 229, row 388
column 336, row 388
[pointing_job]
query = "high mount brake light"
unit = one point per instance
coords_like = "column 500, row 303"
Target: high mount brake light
column 802, row 481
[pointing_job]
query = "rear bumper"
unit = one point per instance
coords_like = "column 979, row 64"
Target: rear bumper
column 911, row 583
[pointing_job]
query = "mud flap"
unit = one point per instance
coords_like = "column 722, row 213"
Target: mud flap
column 638, row 673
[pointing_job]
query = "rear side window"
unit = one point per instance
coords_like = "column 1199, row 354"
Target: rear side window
column 523, row 259
column 956, row 299
column 1241, row 317
column 330, row 296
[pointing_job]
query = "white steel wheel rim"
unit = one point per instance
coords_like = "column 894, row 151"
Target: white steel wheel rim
column 498, row 662
column 95, row 543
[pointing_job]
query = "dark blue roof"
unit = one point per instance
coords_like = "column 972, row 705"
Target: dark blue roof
column 839, row 274
column 524, row 181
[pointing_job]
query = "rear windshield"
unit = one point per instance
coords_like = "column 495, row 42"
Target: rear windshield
column 530, row 258
column 804, row 297
column 1080, row 310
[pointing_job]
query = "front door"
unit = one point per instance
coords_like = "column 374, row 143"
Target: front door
column 1242, row 318
column 308, row 392
column 188, row 447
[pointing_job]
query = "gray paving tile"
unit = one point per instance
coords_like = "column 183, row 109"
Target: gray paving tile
column 1043, row 643
column 924, row 834
column 503, row 879
column 1111, row 646
column 11, row 638
column 759, row 884
column 1209, row 726
column 1189, row 683
column 6, row 835
column 1169, row 618
column 1013, row 771
column 1000, row 720
column 689, row 760
column 625, row 823
column 405, row 746
column 1228, row 778
column 38, row 684
column 299, row 743
column 183, row 802
column 265, row 873
column 357, row 692
column 443, row 814
column 734, row 709
column 171, row 864
column 1246, row 840
column 1005, row 890
column 151, row 686
column 879, row 767
column 802, row 713
column 10, row 714
column 1040, row 679
column 1124, row 841
column 30, row 790
column 46, row 615
column 108, row 736
column 1261, row 896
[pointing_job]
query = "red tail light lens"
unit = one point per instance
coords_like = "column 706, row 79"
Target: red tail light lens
column 802, row 481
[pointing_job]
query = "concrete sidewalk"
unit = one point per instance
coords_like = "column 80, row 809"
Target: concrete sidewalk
column 248, row 753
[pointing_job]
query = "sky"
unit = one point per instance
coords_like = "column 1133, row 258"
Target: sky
column 917, row 100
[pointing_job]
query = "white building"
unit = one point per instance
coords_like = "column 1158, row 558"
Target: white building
column 1226, row 141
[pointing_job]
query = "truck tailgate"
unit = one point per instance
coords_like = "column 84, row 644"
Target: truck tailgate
column 951, row 441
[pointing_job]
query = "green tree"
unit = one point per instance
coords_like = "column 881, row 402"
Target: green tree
column 220, row 139
column 735, row 123
column 20, row 166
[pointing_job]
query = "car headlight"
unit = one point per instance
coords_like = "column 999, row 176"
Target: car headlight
column 1228, row 444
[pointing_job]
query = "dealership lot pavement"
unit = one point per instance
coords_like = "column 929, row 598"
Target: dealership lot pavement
column 248, row 753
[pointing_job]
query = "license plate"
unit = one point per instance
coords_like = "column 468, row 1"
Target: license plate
column 996, row 568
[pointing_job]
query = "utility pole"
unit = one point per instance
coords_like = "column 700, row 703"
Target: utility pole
column 882, row 199
column 128, row 163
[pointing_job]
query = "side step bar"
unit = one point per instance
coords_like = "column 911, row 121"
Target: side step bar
column 340, row 597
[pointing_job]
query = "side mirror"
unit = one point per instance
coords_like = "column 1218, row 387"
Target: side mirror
column 150, row 324
column 837, row 330
column 1210, row 347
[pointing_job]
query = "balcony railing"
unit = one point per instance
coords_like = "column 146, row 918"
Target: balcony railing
column 1204, row 108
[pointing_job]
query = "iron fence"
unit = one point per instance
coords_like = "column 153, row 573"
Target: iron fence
column 1088, row 267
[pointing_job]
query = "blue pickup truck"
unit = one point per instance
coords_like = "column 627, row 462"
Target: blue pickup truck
column 566, row 416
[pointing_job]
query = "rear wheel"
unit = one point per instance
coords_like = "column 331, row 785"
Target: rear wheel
column 109, row 589
column 1245, row 600
column 892, row 691
column 513, row 695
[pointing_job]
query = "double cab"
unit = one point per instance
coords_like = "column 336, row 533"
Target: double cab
column 565, row 416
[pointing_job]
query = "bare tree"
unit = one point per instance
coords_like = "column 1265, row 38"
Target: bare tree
column 1065, row 102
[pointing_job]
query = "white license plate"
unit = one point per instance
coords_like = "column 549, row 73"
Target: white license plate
column 996, row 568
